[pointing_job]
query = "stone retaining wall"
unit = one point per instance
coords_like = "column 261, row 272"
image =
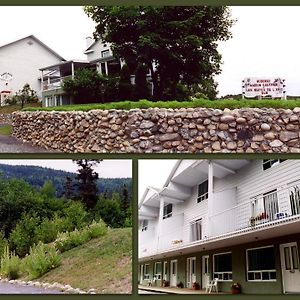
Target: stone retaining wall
column 5, row 119
column 163, row 130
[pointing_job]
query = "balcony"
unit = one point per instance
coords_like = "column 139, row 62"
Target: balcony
column 54, row 83
column 268, row 209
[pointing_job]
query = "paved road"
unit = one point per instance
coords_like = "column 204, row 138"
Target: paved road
column 9, row 144
column 9, row 288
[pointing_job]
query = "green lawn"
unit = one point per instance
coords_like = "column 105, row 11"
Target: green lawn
column 221, row 104
column 6, row 130
column 103, row 264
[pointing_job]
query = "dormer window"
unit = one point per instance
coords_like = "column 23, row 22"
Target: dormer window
column 105, row 53
column 168, row 211
column 202, row 191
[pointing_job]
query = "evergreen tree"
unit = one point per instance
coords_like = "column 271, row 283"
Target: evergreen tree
column 125, row 198
column 87, row 182
column 68, row 191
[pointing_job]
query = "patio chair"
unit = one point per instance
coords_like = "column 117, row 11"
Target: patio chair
column 212, row 286
column 152, row 281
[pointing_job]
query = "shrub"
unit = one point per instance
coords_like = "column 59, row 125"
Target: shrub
column 10, row 264
column 97, row 229
column 47, row 231
column 76, row 215
column 125, row 86
column 23, row 236
column 141, row 89
column 41, row 259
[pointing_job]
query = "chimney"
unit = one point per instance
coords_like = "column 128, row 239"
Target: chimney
column 89, row 41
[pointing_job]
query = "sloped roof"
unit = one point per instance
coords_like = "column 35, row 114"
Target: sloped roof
column 38, row 41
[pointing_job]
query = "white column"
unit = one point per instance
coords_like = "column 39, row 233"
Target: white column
column 72, row 70
column 160, row 220
column 210, row 195
column 42, row 82
column 106, row 68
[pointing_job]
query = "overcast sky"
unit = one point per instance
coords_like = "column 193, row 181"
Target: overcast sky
column 153, row 172
column 110, row 168
column 265, row 40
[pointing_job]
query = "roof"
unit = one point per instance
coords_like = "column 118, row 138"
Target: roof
column 65, row 62
column 38, row 41
column 91, row 45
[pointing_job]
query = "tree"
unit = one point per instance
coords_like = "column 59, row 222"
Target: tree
column 141, row 90
column 87, row 182
column 86, row 87
column 177, row 43
column 68, row 190
column 23, row 96
column 125, row 86
column 48, row 189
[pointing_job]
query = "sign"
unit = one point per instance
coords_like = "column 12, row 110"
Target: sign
column 263, row 87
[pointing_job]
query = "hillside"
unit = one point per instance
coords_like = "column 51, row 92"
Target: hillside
column 36, row 176
column 103, row 264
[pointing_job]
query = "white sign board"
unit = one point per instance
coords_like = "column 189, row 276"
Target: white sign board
column 263, row 87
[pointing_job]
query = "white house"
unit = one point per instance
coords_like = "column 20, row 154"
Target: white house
column 20, row 62
column 235, row 220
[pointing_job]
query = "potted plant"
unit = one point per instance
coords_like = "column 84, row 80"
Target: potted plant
column 252, row 221
column 180, row 285
column 196, row 286
column 166, row 283
column 235, row 288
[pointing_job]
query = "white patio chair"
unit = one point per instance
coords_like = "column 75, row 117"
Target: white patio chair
column 212, row 286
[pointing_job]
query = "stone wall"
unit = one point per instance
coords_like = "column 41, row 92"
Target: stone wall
column 5, row 119
column 163, row 130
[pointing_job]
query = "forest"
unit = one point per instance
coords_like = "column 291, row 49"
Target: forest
column 37, row 223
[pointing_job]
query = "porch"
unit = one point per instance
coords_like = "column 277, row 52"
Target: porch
column 178, row 291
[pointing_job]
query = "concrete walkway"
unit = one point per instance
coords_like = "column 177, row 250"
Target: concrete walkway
column 10, row 288
column 175, row 290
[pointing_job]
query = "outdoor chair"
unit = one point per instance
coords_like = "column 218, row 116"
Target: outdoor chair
column 212, row 286
column 152, row 281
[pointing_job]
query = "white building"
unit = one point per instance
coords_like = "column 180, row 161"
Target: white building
column 20, row 62
column 235, row 220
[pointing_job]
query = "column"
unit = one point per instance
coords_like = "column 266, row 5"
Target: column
column 210, row 196
column 160, row 220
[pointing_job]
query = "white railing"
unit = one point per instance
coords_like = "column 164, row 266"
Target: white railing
column 53, row 83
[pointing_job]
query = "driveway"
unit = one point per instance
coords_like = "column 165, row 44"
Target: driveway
column 9, row 144
column 9, row 288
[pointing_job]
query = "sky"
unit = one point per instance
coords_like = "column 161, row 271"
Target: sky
column 109, row 168
column 265, row 40
column 153, row 172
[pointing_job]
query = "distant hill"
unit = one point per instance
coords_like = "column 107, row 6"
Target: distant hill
column 36, row 176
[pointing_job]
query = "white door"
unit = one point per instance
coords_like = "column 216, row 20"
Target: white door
column 205, row 271
column 173, row 273
column 190, row 271
column 165, row 271
column 290, row 267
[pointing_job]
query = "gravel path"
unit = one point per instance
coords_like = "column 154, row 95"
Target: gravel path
column 9, row 144
column 9, row 288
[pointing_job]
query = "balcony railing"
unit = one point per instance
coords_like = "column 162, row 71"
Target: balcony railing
column 54, row 83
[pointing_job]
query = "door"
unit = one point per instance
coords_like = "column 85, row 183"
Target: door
column 173, row 274
column 205, row 271
column 290, row 268
column 190, row 271
column 165, row 271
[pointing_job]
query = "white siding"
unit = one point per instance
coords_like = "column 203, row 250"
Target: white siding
column 97, row 48
column 23, row 61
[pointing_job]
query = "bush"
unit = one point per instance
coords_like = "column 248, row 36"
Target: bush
column 141, row 89
column 23, row 235
column 42, row 258
column 76, row 215
column 97, row 229
column 10, row 264
column 47, row 231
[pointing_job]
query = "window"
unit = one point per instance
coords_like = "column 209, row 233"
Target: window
column 168, row 211
column 261, row 264
column 202, row 191
column 105, row 53
column 196, row 232
column 157, row 270
column 103, row 69
column 223, row 266
column 265, row 208
column 269, row 163
column 144, row 225
column 147, row 272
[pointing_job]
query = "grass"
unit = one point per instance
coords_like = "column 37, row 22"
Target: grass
column 142, row 104
column 8, row 109
column 103, row 264
column 5, row 130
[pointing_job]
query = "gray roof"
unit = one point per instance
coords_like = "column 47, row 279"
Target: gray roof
column 38, row 41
